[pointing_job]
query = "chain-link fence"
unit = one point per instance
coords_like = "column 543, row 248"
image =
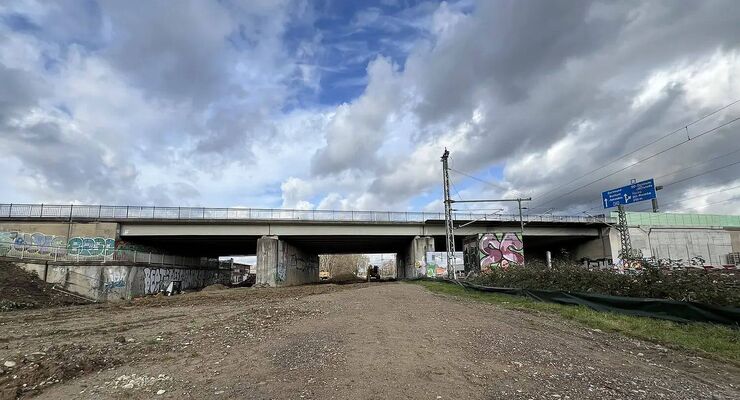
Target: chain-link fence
column 102, row 212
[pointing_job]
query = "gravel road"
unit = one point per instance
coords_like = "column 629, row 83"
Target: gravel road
column 378, row 340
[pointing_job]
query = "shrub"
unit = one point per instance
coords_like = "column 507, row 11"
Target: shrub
column 689, row 285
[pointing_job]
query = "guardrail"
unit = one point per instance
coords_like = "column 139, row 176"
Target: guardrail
column 102, row 212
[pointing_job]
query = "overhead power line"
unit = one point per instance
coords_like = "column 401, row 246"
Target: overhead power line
column 702, row 174
column 693, row 197
column 719, row 202
column 641, row 161
column 696, row 165
column 683, row 128
column 497, row 186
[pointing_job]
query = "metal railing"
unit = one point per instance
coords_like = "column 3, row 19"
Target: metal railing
column 102, row 212
column 104, row 255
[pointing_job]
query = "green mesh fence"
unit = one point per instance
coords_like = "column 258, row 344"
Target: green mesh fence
column 693, row 220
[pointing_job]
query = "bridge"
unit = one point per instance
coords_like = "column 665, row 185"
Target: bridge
column 287, row 241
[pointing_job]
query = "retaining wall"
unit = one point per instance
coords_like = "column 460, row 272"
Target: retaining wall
column 114, row 282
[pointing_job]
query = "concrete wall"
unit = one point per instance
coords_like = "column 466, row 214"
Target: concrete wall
column 47, row 239
column 735, row 241
column 122, row 282
column 598, row 248
column 675, row 243
column 281, row 264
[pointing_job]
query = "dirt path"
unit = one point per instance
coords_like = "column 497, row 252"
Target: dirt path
column 390, row 340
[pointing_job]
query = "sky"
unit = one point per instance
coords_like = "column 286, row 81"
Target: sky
column 349, row 105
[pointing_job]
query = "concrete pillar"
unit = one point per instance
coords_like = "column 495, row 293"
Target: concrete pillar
column 415, row 257
column 267, row 261
column 281, row 264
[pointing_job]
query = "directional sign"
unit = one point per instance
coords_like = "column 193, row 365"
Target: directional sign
column 629, row 194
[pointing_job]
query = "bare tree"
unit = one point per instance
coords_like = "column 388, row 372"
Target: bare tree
column 342, row 264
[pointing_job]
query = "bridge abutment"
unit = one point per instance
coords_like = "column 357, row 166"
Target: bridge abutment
column 280, row 263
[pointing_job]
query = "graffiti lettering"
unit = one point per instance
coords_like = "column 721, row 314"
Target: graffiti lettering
column 111, row 285
column 15, row 244
column 485, row 252
column 500, row 250
column 157, row 279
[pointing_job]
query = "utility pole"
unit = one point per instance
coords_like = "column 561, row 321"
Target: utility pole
column 655, row 200
column 449, row 233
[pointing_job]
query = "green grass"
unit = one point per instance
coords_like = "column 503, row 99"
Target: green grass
column 708, row 340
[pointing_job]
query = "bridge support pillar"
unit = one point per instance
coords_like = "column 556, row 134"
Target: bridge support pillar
column 281, row 264
column 414, row 257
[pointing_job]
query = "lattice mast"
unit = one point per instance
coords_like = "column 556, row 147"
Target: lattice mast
column 449, row 233
column 624, row 235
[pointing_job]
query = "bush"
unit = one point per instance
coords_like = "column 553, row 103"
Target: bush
column 688, row 285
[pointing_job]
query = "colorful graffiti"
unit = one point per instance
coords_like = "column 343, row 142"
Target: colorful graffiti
column 435, row 264
column 33, row 244
column 485, row 252
column 499, row 250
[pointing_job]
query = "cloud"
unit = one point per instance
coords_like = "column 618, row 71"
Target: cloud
column 553, row 91
column 275, row 103
column 355, row 133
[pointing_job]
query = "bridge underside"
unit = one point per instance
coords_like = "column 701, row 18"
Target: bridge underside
column 214, row 246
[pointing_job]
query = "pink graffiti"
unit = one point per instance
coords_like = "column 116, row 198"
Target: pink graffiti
column 502, row 252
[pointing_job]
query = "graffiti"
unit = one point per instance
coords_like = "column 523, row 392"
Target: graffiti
column 500, row 250
column 599, row 263
column 116, row 280
column 157, row 279
column 91, row 246
column 435, row 264
column 112, row 285
column 15, row 243
column 301, row 263
column 484, row 252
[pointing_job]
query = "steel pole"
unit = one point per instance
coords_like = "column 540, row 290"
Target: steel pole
column 449, row 229
column 521, row 227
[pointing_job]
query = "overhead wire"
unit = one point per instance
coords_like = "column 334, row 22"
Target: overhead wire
column 685, row 127
column 497, row 186
column 716, row 128
column 685, row 179
column 696, row 164
column 716, row 202
column 692, row 197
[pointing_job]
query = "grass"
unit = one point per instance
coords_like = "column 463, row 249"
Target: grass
column 707, row 340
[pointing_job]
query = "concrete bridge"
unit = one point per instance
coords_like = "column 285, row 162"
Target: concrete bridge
column 287, row 242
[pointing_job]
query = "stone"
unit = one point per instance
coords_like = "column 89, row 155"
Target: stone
column 161, row 392
column 119, row 339
column 9, row 364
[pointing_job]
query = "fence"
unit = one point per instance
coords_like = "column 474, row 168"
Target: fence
column 102, row 212
column 102, row 254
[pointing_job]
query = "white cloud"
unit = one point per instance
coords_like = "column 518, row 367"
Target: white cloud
column 213, row 103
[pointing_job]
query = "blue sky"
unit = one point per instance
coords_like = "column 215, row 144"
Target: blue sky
column 349, row 104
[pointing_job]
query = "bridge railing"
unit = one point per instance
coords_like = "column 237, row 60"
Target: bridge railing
column 103, row 212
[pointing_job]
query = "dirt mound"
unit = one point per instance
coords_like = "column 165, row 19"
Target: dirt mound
column 214, row 287
column 22, row 289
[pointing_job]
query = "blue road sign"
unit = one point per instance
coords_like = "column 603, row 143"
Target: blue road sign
column 629, row 194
